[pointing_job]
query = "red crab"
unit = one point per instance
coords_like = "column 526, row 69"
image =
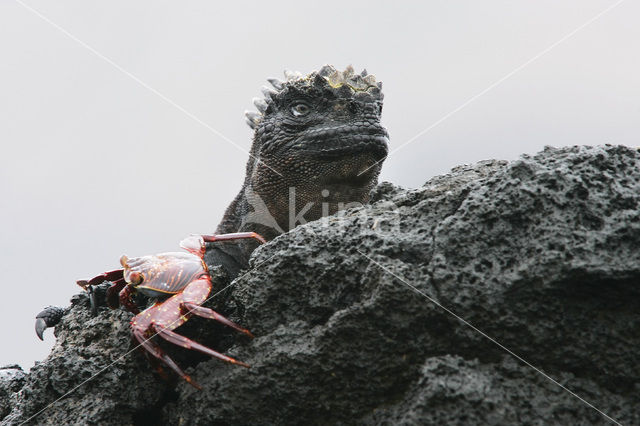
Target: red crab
column 182, row 275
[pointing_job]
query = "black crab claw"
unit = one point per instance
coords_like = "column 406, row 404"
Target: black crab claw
column 49, row 317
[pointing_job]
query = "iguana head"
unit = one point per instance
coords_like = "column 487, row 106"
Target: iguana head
column 317, row 139
column 329, row 117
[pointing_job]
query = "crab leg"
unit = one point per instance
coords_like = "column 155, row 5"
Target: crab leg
column 234, row 236
column 190, row 300
column 126, row 301
column 185, row 342
column 112, row 293
column 156, row 351
column 114, row 276
column 99, row 279
column 165, row 316
column 204, row 312
column 195, row 243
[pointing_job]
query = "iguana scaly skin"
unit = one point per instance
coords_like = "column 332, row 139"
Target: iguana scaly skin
column 318, row 147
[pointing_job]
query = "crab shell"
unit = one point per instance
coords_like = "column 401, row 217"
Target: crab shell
column 163, row 274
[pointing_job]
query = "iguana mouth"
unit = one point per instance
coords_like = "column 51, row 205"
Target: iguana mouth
column 376, row 146
column 330, row 144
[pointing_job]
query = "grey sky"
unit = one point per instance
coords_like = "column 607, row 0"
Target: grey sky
column 94, row 165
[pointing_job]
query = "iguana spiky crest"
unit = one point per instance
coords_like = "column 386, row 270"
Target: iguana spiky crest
column 363, row 83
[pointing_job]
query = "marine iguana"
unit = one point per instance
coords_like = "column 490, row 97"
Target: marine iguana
column 318, row 147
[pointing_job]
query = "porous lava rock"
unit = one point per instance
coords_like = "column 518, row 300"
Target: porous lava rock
column 500, row 293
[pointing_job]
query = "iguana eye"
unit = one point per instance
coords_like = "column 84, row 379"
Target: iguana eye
column 300, row 109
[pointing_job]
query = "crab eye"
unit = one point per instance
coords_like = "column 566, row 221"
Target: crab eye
column 300, row 109
column 135, row 278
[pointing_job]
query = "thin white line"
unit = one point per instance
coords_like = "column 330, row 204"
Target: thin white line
column 507, row 76
column 142, row 83
column 139, row 345
column 467, row 323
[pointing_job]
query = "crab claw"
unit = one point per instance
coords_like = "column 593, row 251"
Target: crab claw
column 41, row 326
column 49, row 317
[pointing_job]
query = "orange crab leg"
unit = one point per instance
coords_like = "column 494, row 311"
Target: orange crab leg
column 187, row 343
column 195, row 243
column 203, row 312
column 156, row 351
column 165, row 316
column 234, row 236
